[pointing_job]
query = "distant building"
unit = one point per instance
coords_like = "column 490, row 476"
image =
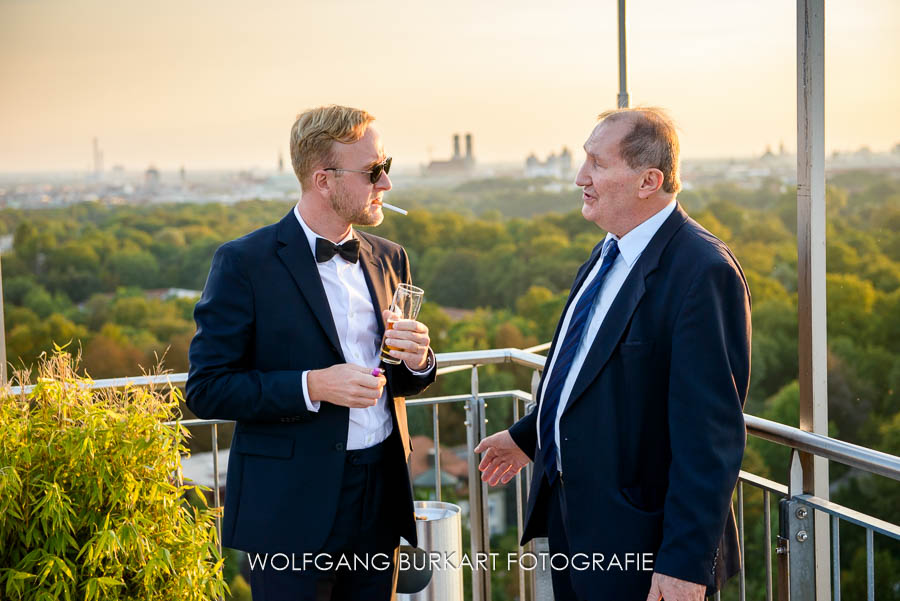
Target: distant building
column 6, row 243
column 559, row 166
column 458, row 164
column 151, row 177
column 98, row 161
column 168, row 293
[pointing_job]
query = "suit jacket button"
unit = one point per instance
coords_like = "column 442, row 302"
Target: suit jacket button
column 339, row 446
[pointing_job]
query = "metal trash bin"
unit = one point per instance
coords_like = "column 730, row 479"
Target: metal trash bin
column 440, row 532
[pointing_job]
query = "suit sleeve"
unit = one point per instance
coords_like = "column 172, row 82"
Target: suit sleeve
column 404, row 382
column 524, row 433
column 708, row 380
column 220, row 384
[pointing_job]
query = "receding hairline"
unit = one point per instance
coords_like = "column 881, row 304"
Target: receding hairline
column 611, row 123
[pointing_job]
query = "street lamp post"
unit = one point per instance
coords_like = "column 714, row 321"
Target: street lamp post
column 622, row 100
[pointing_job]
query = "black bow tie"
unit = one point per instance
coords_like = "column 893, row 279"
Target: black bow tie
column 325, row 249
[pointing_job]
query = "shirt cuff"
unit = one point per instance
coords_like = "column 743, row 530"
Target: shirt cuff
column 429, row 367
column 311, row 405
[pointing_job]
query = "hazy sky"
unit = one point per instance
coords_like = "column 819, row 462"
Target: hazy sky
column 217, row 84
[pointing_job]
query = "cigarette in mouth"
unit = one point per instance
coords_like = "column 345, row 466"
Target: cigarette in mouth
column 393, row 208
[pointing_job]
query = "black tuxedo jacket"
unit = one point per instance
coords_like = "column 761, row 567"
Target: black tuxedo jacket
column 262, row 320
column 653, row 433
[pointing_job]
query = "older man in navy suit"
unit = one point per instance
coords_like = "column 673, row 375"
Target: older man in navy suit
column 289, row 330
column 638, row 435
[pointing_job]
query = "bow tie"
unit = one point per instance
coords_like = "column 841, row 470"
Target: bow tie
column 325, row 249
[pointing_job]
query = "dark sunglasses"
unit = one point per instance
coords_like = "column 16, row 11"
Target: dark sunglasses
column 374, row 173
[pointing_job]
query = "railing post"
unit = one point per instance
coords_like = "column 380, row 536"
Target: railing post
column 2, row 336
column 541, row 579
column 520, row 510
column 478, row 497
column 811, row 291
column 436, row 428
column 217, row 500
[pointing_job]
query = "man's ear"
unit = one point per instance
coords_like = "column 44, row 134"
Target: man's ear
column 321, row 183
column 651, row 182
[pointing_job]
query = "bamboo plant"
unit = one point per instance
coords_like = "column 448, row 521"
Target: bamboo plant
column 92, row 505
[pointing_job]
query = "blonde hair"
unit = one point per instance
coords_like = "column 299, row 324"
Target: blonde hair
column 652, row 142
column 315, row 131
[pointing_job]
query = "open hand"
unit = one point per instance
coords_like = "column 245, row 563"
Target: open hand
column 502, row 458
column 345, row 384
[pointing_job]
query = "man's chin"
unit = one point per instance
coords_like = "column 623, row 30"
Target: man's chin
column 376, row 212
column 369, row 218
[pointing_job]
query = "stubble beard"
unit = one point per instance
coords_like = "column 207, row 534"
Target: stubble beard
column 342, row 203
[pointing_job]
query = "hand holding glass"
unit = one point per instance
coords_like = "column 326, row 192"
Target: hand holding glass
column 406, row 304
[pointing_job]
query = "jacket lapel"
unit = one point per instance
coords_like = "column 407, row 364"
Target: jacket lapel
column 378, row 285
column 624, row 305
column 296, row 255
column 380, row 290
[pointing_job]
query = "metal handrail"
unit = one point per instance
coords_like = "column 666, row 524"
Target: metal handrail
column 448, row 362
column 849, row 454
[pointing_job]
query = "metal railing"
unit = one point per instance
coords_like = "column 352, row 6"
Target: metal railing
column 797, row 511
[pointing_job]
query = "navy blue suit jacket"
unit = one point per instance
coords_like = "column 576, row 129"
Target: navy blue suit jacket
column 653, row 434
column 262, row 320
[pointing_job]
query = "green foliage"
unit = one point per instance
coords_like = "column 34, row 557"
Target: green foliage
column 887, row 576
column 90, row 507
column 240, row 590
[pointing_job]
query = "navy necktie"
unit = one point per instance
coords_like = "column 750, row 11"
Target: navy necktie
column 564, row 357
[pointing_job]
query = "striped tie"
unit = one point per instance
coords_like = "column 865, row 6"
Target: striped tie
column 564, row 357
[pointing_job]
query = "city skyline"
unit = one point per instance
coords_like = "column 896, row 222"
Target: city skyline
column 177, row 84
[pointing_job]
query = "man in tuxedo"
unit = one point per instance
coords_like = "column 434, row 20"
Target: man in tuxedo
column 289, row 330
column 638, row 434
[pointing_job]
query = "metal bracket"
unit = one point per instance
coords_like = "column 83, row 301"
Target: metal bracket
column 796, row 552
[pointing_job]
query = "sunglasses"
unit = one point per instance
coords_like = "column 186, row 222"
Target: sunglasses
column 374, row 173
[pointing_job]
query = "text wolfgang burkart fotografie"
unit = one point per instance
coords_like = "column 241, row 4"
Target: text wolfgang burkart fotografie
column 435, row 561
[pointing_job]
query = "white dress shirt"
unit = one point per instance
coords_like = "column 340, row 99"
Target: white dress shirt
column 357, row 328
column 631, row 245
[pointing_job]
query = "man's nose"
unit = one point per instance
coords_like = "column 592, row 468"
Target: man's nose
column 384, row 182
column 581, row 178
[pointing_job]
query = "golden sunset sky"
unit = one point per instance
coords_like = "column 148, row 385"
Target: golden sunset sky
column 217, row 84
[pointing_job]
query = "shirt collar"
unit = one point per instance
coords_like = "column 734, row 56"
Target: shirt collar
column 632, row 244
column 311, row 235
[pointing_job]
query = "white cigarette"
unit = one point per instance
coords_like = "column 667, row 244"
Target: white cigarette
column 393, row 208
